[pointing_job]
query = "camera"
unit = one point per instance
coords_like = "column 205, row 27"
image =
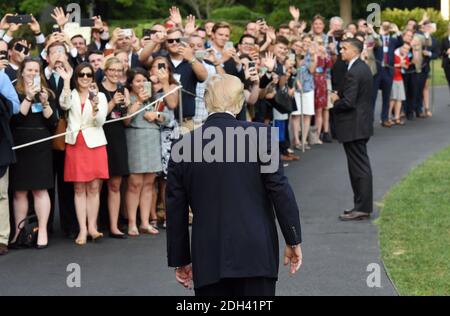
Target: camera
column 19, row 19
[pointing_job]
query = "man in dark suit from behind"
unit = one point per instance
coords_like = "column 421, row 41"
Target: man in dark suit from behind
column 353, row 115
column 234, row 234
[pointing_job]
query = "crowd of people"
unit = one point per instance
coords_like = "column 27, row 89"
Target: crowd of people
column 106, row 173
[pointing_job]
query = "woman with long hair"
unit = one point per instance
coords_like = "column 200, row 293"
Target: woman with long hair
column 34, row 168
column 86, row 161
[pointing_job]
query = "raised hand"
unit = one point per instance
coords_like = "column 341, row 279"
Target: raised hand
column 59, row 16
column 3, row 24
column 34, row 25
column 270, row 34
column 163, row 76
column 175, row 16
column 190, row 27
column 65, row 72
column 269, row 61
column 295, row 12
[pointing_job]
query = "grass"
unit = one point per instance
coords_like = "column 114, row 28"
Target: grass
column 415, row 229
column 439, row 75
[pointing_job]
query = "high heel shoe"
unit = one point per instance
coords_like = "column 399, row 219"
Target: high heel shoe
column 97, row 237
column 150, row 230
column 80, row 242
column 41, row 247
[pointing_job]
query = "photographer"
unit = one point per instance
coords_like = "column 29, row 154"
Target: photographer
column 34, row 168
column 118, row 105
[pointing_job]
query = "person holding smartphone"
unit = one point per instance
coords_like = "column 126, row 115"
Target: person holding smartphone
column 118, row 104
column 86, row 163
column 33, row 171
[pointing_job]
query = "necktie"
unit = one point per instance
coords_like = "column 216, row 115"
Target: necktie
column 386, row 51
column 57, row 77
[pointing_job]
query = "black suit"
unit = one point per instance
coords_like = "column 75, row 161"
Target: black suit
column 353, row 115
column 69, row 223
column 234, row 235
column 445, row 46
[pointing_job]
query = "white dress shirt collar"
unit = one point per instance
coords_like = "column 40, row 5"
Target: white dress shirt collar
column 350, row 64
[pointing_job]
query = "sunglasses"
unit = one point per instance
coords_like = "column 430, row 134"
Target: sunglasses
column 85, row 75
column 20, row 48
column 174, row 40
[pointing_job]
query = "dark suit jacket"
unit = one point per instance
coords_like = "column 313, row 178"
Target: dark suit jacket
column 394, row 43
column 234, row 234
column 7, row 155
column 445, row 45
column 353, row 113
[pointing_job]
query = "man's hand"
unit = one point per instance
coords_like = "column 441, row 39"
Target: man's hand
column 294, row 257
column 34, row 25
column 334, row 97
column 184, row 276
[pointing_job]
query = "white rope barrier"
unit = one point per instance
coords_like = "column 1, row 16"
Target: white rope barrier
column 107, row 122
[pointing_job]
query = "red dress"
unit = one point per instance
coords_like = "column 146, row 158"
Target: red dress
column 84, row 164
column 320, row 83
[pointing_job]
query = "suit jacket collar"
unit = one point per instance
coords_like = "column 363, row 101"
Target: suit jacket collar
column 220, row 115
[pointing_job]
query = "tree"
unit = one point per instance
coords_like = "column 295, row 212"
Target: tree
column 203, row 8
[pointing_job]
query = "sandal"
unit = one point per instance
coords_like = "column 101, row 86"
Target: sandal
column 428, row 113
column 134, row 232
column 399, row 122
column 150, row 230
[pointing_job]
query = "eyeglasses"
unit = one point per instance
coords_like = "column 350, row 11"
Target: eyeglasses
column 174, row 40
column 85, row 75
column 20, row 48
column 249, row 44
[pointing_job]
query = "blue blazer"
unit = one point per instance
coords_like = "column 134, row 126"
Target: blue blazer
column 394, row 43
column 234, row 234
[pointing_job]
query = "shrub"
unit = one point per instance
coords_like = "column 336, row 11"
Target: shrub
column 401, row 17
column 234, row 13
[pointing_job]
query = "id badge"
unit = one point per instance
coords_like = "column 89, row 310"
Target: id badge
column 115, row 115
column 319, row 70
column 385, row 49
column 36, row 108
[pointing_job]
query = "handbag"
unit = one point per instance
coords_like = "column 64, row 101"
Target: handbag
column 283, row 101
column 28, row 232
column 60, row 142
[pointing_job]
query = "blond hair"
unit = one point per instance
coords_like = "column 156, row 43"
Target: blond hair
column 224, row 93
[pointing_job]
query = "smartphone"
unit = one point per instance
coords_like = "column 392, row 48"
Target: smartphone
column 291, row 57
column 92, row 91
column 37, row 82
column 87, row 23
column 19, row 19
column 120, row 88
column 229, row 45
column 201, row 54
column 148, row 87
column 161, row 66
column 251, row 64
column 147, row 33
column 56, row 28
column 184, row 41
column 128, row 32
column 60, row 50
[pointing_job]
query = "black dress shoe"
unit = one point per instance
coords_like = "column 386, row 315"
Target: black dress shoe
column 327, row 138
column 346, row 212
column 117, row 236
column 354, row 216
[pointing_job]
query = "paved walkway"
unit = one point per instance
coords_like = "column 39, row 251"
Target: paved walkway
column 336, row 254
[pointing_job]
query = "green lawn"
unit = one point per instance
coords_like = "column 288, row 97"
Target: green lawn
column 415, row 229
column 439, row 75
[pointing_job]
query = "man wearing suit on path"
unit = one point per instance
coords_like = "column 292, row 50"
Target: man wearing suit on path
column 234, row 234
column 353, row 114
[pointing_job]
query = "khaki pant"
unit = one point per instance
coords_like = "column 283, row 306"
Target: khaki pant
column 4, row 210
